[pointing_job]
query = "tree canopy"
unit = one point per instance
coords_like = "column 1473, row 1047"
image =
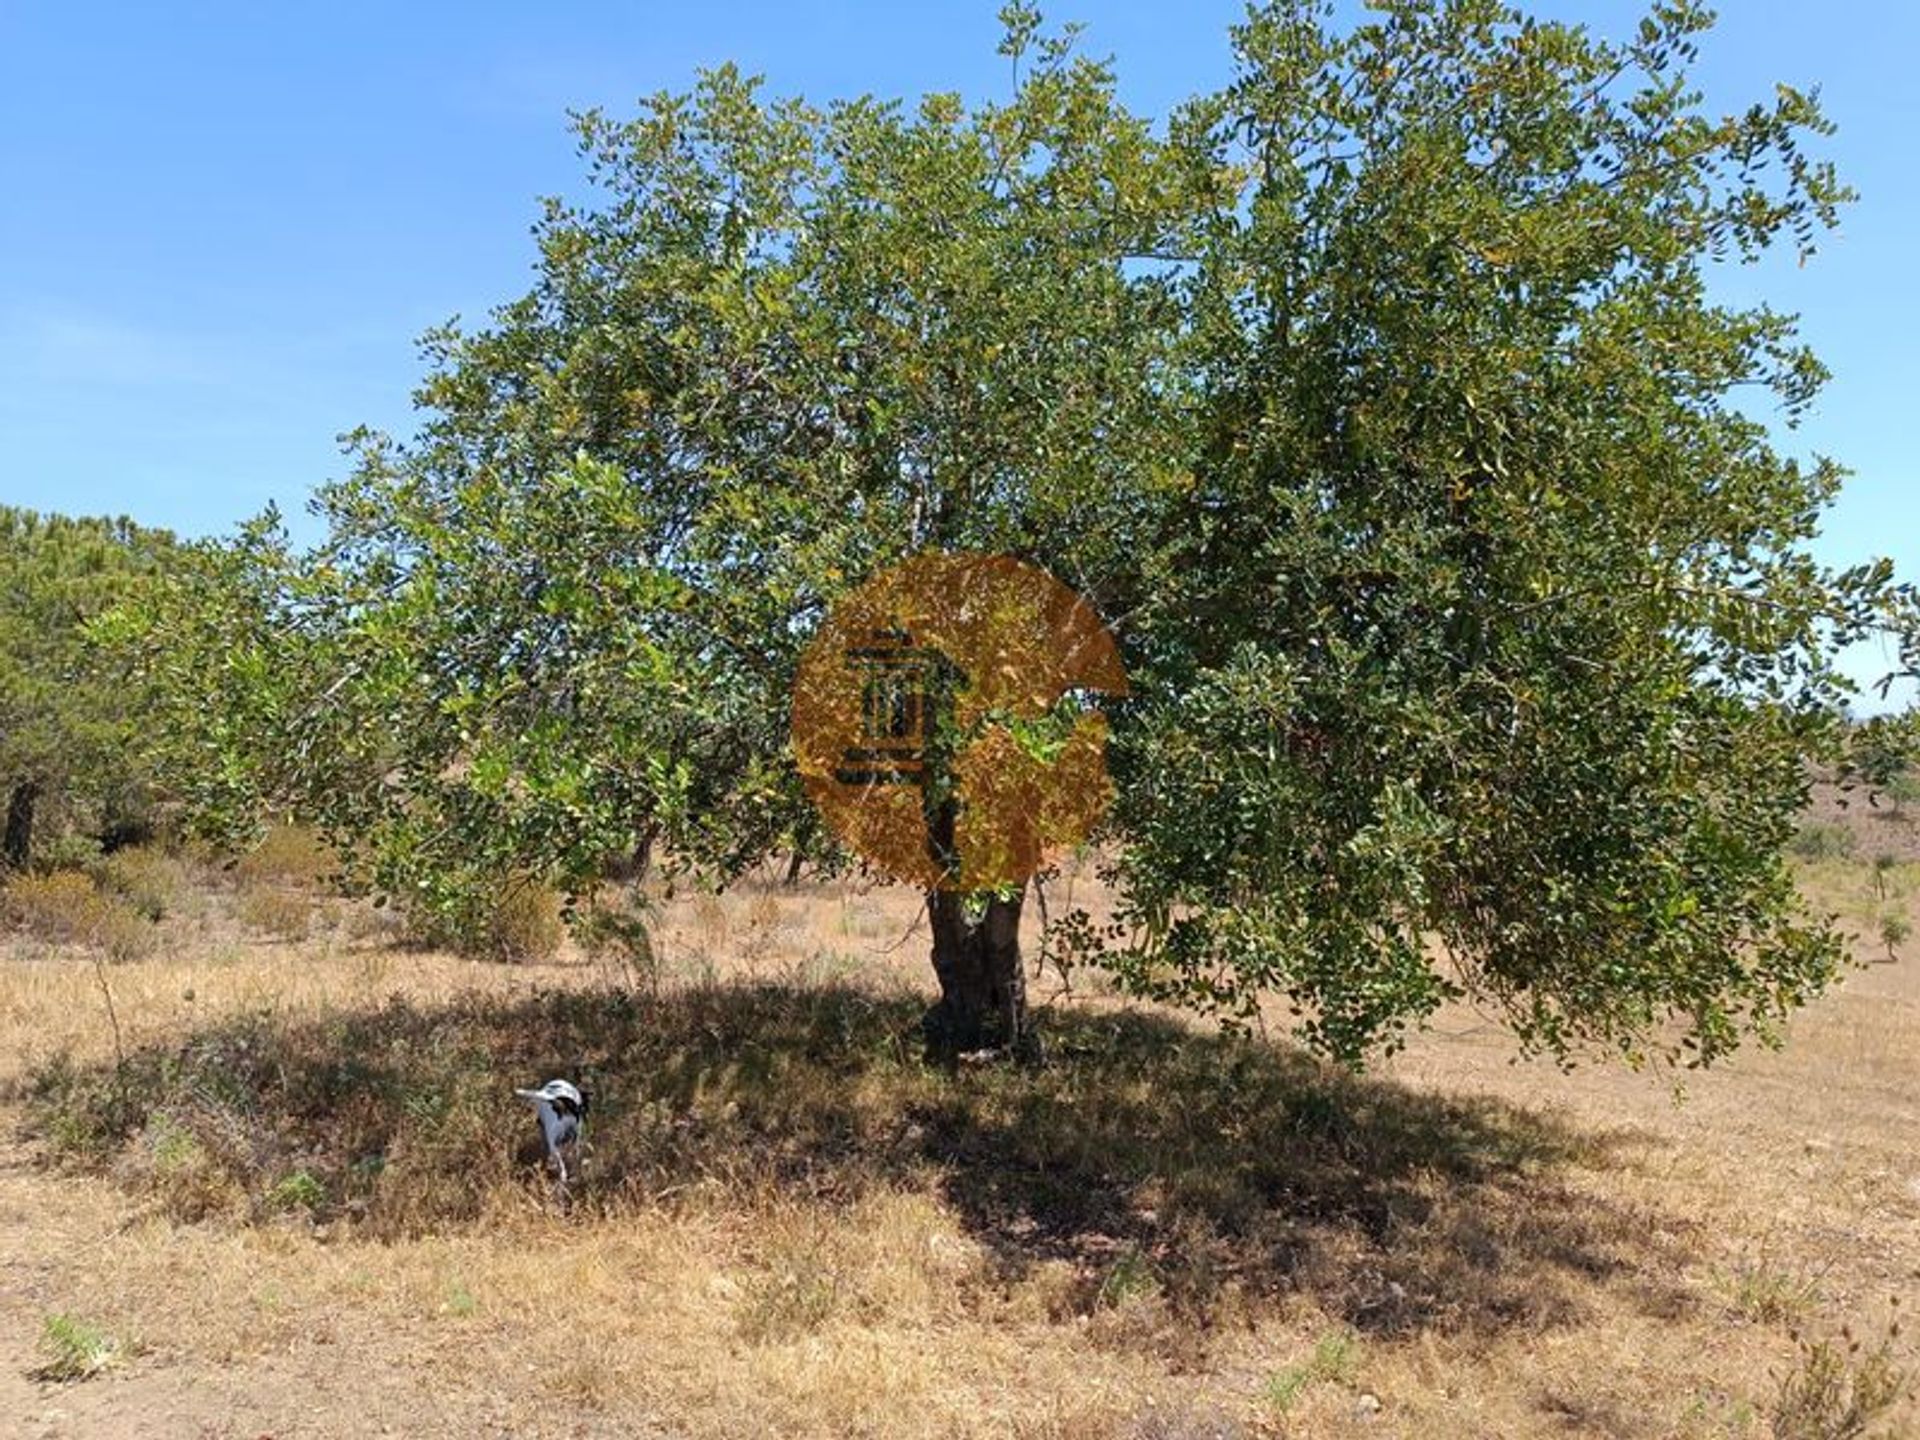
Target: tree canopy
column 1381, row 402
column 67, row 746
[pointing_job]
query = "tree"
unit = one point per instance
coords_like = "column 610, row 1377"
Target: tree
column 65, row 725
column 1378, row 400
column 1508, row 637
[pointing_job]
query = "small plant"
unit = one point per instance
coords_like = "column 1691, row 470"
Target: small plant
column 1883, row 867
column 1762, row 1291
column 1332, row 1360
column 1837, row 1390
column 1816, row 841
column 1130, row 1277
column 298, row 1191
column 1894, row 932
column 460, row 1302
column 76, row 1350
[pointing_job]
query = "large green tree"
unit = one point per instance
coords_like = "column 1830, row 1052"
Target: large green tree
column 1380, row 400
column 66, row 724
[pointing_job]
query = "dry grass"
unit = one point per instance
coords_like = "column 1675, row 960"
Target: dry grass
column 312, row 1166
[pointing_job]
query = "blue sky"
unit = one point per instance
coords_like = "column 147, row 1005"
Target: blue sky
column 223, row 226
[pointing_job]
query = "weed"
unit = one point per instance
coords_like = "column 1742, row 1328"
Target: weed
column 1130, row 1277
column 1837, row 1390
column 1332, row 1360
column 1759, row 1289
column 298, row 1191
column 459, row 1302
column 76, row 1350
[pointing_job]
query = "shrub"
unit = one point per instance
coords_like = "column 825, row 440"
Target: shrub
column 288, row 855
column 366, row 925
column 1903, row 790
column 186, row 1159
column 1817, row 841
column 516, row 919
column 145, row 876
column 284, row 914
column 60, row 906
column 527, row 922
column 123, row 934
column 66, row 849
column 620, row 932
column 67, row 908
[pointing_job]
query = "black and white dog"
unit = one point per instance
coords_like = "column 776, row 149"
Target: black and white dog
column 561, row 1108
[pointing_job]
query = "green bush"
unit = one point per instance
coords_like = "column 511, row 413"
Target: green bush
column 298, row 1191
column 517, row 919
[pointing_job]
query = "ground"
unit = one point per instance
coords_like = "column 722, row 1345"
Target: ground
column 788, row 1228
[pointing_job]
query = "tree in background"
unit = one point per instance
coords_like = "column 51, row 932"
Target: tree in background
column 1378, row 401
column 67, row 743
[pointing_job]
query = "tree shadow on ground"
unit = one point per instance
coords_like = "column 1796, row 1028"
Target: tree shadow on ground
column 1225, row 1168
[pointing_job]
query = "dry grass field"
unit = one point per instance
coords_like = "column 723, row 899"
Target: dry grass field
column 293, row 1198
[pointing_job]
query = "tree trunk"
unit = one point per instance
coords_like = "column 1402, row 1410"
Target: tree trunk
column 983, row 988
column 976, row 957
column 16, row 847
